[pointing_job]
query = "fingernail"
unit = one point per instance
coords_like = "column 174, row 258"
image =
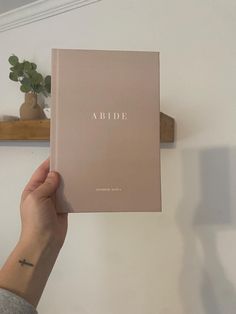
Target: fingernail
column 51, row 174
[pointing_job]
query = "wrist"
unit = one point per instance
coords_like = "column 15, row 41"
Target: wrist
column 40, row 244
column 31, row 263
column 38, row 249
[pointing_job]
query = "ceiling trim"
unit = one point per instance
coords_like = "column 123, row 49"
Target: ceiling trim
column 37, row 11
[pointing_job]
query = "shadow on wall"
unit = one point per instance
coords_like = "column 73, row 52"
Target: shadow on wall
column 209, row 174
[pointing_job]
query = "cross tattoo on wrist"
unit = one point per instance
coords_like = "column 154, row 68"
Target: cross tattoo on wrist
column 24, row 262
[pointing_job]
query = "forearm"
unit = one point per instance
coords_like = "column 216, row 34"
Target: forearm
column 27, row 269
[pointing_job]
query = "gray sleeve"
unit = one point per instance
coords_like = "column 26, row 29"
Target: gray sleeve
column 11, row 303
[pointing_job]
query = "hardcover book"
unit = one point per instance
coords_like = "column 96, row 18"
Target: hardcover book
column 105, row 130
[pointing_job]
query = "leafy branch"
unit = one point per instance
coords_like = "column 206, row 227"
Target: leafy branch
column 30, row 79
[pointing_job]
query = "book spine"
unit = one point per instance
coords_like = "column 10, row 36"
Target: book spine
column 54, row 108
column 158, row 130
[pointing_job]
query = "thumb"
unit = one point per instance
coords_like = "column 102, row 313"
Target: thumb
column 50, row 185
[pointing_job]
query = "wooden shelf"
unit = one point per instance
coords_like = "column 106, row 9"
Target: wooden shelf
column 167, row 128
column 34, row 130
column 29, row 130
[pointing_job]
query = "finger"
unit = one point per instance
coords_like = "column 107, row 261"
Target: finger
column 49, row 187
column 37, row 178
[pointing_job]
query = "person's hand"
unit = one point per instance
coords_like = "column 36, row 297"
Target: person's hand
column 43, row 232
column 40, row 221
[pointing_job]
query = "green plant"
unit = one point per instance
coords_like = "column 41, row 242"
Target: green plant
column 30, row 79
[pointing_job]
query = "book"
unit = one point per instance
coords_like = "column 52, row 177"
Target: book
column 105, row 130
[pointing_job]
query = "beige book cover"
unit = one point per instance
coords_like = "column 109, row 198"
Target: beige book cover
column 105, row 130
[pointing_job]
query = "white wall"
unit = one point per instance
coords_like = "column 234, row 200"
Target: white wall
column 12, row 4
column 183, row 260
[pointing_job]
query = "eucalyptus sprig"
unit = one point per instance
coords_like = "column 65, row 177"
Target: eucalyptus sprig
column 30, row 79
